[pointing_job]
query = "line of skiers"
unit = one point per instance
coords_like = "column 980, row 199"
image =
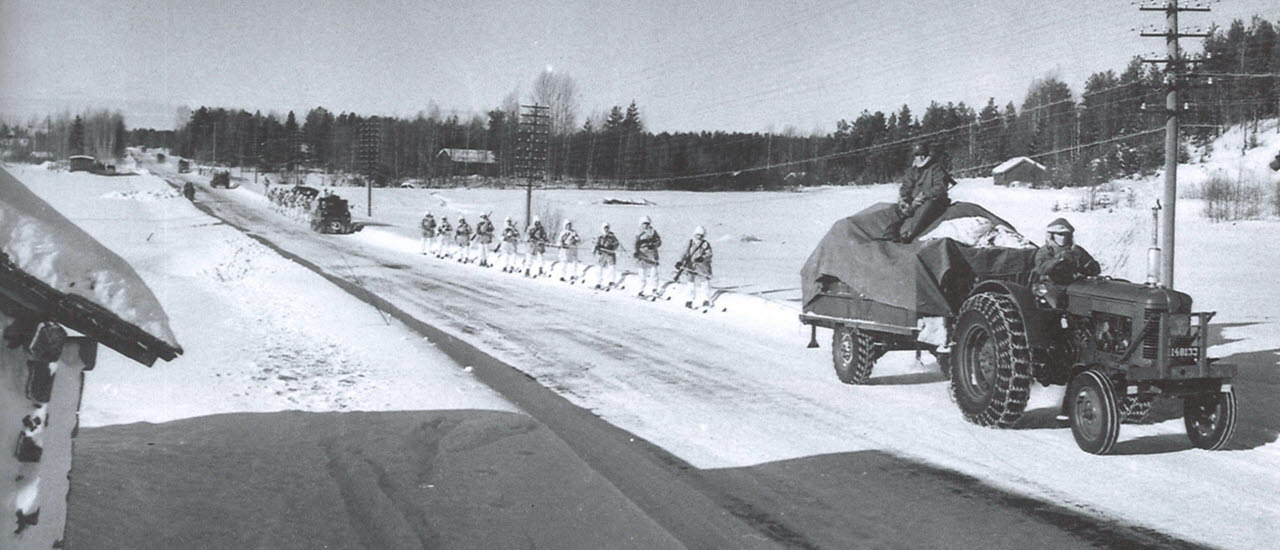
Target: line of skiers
column 460, row 243
column 285, row 200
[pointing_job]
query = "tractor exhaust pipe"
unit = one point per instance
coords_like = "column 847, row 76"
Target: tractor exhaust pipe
column 1153, row 253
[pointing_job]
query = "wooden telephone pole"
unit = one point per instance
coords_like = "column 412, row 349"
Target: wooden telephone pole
column 531, row 151
column 1175, row 67
column 368, row 155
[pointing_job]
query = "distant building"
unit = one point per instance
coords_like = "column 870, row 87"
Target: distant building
column 1020, row 170
column 468, row 161
column 15, row 143
column 81, row 163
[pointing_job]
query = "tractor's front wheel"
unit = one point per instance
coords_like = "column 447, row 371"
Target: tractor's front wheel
column 1094, row 412
column 991, row 361
column 1210, row 419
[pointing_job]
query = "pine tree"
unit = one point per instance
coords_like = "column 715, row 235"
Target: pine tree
column 118, row 139
column 631, row 122
column 614, row 122
column 75, row 142
column 291, row 137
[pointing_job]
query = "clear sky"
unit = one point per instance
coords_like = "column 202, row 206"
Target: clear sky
column 715, row 65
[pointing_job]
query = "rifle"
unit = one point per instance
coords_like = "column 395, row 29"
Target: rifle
column 680, row 266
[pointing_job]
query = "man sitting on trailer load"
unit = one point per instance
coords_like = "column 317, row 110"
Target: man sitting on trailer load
column 1060, row 246
column 922, row 198
column 1275, row 163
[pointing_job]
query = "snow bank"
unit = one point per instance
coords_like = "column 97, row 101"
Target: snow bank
column 49, row 247
column 147, row 195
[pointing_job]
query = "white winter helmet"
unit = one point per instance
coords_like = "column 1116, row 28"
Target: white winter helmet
column 645, row 219
column 507, row 219
column 699, row 230
column 536, row 221
column 604, row 226
column 568, row 223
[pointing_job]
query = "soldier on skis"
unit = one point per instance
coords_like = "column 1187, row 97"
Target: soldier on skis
column 696, row 262
column 606, row 251
column 537, row 239
column 484, row 237
column 923, row 195
column 510, row 239
column 646, row 252
column 462, row 237
column 568, row 241
column 428, row 227
column 443, row 235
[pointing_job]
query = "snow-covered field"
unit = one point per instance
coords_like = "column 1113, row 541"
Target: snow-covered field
column 265, row 334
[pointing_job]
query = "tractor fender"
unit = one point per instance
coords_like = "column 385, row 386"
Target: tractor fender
column 1033, row 317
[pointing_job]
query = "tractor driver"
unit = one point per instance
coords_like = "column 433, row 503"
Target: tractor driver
column 1060, row 247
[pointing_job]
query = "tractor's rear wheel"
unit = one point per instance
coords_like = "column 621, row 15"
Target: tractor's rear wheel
column 853, row 352
column 991, row 362
column 1094, row 412
column 1210, row 419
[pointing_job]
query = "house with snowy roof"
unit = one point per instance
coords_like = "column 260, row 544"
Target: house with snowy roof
column 1020, row 170
column 467, row 161
column 62, row 294
column 81, row 163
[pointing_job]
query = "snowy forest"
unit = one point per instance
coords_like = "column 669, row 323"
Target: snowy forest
column 1113, row 126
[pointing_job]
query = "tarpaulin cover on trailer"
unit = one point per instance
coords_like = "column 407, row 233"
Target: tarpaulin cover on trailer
column 925, row 276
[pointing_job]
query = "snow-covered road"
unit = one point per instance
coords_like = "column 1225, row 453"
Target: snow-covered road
column 727, row 395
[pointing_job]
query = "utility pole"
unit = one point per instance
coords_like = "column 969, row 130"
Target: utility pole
column 1174, row 68
column 369, row 150
column 531, row 151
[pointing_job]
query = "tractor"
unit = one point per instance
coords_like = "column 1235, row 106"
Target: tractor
column 1115, row 344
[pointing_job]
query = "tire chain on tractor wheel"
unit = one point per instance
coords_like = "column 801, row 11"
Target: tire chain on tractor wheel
column 1013, row 385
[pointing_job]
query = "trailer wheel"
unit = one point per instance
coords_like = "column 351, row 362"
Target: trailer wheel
column 853, row 352
column 335, row 226
column 1210, row 419
column 991, row 363
column 1094, row 412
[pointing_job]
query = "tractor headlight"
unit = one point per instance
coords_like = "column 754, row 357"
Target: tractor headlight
column 1180, row 324
column 1040, row 289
